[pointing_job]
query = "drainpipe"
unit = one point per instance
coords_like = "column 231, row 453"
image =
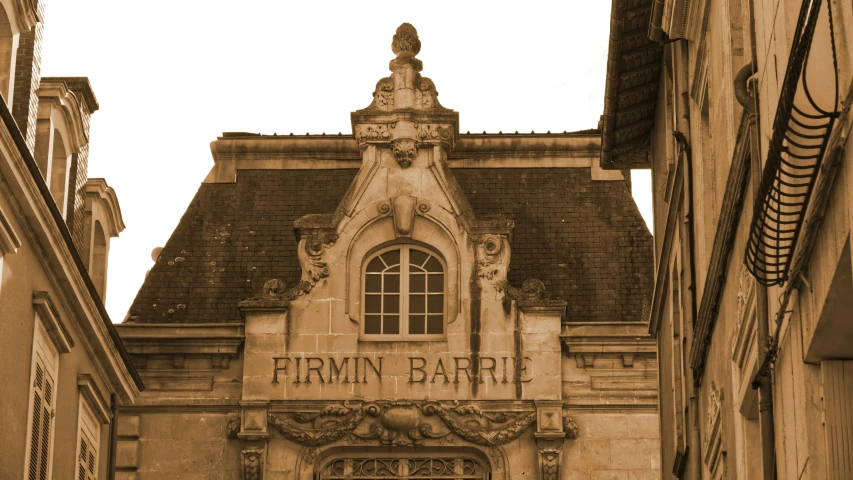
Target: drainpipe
column 746, row 92
column 682, row 123
column 111, row 466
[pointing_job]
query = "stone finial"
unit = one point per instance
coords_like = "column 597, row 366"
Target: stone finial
column 406, row 42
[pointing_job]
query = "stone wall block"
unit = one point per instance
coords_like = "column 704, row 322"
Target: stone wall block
column 129, row 426
column 313, row 318
column 127, row 454
column 265, row 322
column 265, row 343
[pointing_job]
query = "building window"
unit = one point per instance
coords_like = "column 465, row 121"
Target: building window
column 88, row 442
column 425, row 468
column 404, row 294
column 42, row 399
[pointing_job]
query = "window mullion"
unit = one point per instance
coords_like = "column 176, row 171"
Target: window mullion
column 404, row 292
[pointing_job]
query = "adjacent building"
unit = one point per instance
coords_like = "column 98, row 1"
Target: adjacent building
column 406, row 301
column 742, row 111
column 64, row 370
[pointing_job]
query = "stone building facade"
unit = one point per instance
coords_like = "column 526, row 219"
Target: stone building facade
column 742, row 111
column 63, row 367
column 403, row 302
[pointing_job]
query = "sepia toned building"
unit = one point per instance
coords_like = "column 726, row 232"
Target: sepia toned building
column 406, row 301
column 741, row 109
column 63, row 367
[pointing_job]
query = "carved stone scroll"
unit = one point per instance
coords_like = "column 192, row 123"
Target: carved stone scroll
column 310, row 254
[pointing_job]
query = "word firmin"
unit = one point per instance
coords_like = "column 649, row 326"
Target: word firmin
column 307, row 370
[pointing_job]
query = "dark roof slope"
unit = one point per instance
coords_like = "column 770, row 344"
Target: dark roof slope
column 585, row 240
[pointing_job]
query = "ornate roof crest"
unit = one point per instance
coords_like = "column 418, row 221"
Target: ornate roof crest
column 405, row 104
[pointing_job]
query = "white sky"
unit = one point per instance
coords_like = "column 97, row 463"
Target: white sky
column 171, row 75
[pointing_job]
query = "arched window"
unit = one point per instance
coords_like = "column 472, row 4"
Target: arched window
column 59, row 169
column 404, row 294
column 98, row 265
column 7, row 57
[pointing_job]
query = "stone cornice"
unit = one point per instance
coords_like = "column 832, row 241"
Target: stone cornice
column 201, row 338
column 9, row 240
column 81, row 86
column 607, row 337
column 87, row 387
column 98, row 188
column 49, row 234
column 53, row 323
column 54, row 93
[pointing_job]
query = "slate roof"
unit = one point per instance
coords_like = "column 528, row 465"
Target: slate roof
column 631, row 88
column 585, row 240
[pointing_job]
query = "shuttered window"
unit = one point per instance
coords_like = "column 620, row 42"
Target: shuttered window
column 89, row 438
column 42, row 394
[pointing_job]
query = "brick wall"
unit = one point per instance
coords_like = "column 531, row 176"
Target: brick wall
column 27, row 79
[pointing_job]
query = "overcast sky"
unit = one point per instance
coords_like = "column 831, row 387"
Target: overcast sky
column 171, row 75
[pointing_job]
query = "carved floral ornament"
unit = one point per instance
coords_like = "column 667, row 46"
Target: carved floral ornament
column 402, row 423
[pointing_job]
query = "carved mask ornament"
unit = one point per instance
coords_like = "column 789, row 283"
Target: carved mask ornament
column 405, row 151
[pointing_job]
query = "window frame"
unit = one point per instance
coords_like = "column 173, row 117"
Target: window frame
column 89, row 430
column 46, row 355
column 403, row 336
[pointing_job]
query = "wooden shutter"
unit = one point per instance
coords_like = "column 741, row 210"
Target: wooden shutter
column 89, row 439
column 45, row 360
column 42, row 422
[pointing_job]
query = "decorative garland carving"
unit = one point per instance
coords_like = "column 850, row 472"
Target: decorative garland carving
column 400, row 423
column 569, row 427
column 405, row 151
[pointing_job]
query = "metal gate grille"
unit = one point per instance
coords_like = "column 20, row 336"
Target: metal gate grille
column 428, row 468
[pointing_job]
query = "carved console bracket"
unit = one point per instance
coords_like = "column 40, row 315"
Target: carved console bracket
column 315, row 234
column 553, row 426
column 251, row 430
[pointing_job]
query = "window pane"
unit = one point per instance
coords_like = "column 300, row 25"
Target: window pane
column 395, row 268
column 436, row 282
column 417, row 282
column 391, row 324
column 391, row 258
column 417, row 303
column 392, row 303
column 375, row 265
column 392, row 283
column 373, row 283
column 435, row 324
column 435, row 303
column 372, row 324
column 433, row 265
column 416, row 325
column 416, row 257
column 372, row 303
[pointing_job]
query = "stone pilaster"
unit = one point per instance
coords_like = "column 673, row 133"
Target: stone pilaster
column 549, row 437
column 253, row 439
